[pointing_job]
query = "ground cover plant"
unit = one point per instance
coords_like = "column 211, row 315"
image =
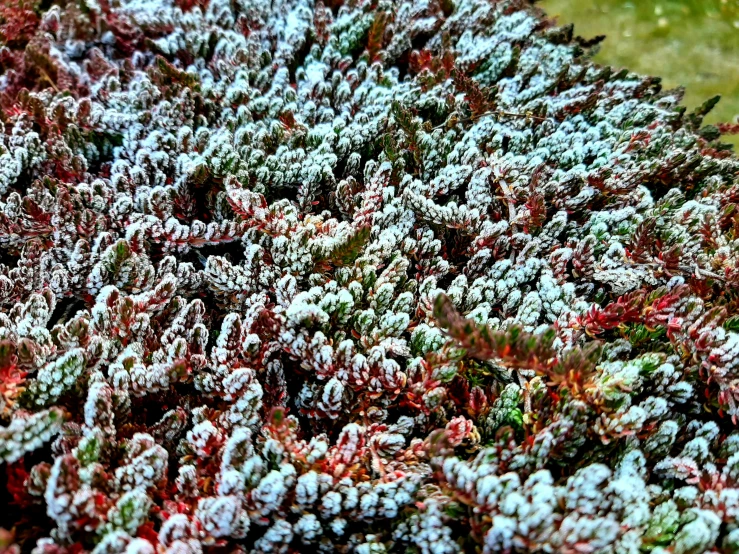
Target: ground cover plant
column 686, row 42
column 362, row 276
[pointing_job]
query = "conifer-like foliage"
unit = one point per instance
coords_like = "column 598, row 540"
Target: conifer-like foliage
column 357, row 276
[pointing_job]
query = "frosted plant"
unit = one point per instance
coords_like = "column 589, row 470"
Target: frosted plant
column 345, row 276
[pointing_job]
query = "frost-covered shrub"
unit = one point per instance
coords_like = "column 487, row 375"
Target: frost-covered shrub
column 389, row 276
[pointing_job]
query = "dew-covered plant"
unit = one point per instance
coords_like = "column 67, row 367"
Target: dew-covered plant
column 357, row 276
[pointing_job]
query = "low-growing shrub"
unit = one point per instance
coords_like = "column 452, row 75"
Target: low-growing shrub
column 364, row 276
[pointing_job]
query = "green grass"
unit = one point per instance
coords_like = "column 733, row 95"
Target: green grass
column 694, row 43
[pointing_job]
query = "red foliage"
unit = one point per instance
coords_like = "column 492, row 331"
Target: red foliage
column 536, row 206
column 652, row 310
column 18, row 24
column 728, row 128
column 642, row 242
column 187, row 5
column 12, row 377
column 431, row 69
column 627, row 309
column 376, row 36
column 16, row 484
column 322, row 19
column 516, row 349
column 479, row 99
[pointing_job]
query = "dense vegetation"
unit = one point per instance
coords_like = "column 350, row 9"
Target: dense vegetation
column 362, row 276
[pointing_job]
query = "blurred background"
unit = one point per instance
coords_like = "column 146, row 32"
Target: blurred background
column 694, row 43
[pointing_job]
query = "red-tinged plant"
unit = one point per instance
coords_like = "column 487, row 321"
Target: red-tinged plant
column 627, row 309
column 18, row 23
column 728, row 128
column 376, row 34
column 17, row 475
column 431, row 69
column 516, row 349
column 291, row 276
column 12, row 377
column 479, row 100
